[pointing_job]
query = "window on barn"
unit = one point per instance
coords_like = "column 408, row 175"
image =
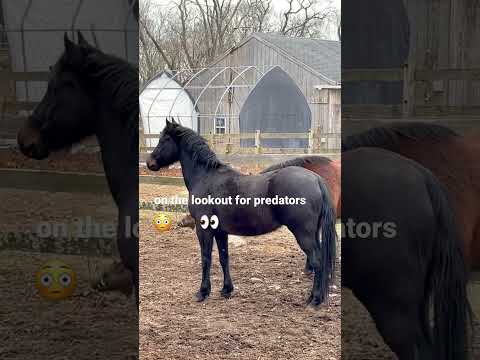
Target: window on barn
column 220, row 125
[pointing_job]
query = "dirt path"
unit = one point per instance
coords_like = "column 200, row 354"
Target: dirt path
column 265, row 319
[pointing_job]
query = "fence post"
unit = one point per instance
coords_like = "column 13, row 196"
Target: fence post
column 407, row 99
column 310, row 141
column 258, row 149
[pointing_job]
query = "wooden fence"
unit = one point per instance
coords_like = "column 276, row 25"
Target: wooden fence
column 8, row 80
column 410, row 106
column 231, row 143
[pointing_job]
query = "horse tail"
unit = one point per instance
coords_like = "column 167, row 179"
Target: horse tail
column 328, row 246
column 447, row 282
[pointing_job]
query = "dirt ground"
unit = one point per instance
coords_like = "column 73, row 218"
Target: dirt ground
column 61, row 160
column 88, row 325
column 266, row 318
column 361, row 340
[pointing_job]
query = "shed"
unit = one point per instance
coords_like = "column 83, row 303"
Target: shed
column 161, row 97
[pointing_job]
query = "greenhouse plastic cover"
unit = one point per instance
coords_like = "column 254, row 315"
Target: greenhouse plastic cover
column 41, row 42
column 162, row 98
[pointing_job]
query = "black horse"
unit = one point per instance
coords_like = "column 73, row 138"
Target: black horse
column 206, row 176
column 92, row 93
column 402, row 256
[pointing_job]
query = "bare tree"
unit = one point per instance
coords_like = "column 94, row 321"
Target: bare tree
column 306, row 18
column 192, row 33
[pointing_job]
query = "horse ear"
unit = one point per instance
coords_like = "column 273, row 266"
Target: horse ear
column 168, row 122
column 69, row 44
column 81, row 39
column 173, row 121
column 74, row 54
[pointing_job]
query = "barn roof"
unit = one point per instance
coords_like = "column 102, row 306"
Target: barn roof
column 322, row 57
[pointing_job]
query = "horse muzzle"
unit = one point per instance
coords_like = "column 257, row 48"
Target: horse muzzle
column 30, row 143
column 152, row 164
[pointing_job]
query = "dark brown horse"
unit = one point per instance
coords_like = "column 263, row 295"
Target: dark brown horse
column 451, row 157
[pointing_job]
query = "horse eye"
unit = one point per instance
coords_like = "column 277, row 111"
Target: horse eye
column 214, row 222
column 204, row 222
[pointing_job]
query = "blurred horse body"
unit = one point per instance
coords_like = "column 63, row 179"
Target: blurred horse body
column 451, row 157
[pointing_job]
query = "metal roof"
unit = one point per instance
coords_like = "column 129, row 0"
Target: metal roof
column 323, row 56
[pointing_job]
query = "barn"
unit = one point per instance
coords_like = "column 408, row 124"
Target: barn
column 411, row 61
column 270, row 90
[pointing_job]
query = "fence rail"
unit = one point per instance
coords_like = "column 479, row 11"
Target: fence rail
column 228, row 143
column 409, row 107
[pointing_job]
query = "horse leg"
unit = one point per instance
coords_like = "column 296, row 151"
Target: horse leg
column 402, row 328
column 222, row 244
column 308, row 270
column 128, row 250
column 205, row 239
column 308, row 242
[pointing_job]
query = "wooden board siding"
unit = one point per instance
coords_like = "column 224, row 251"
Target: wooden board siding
column 255, row 52
column 447, row 38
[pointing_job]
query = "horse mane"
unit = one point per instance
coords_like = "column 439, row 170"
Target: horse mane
column 299, row 161
column 388, row 136
column 195, row 145
column 117, row 78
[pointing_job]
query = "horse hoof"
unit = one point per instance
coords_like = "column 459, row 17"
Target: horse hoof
column 314, row 302
column 309, row 299
column 226, row 293
column 308, row 273
column 201, row 296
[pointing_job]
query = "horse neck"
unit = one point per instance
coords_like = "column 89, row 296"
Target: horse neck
column 115, row 82
column 118, row 141
column 115, row 88
column 192, row 171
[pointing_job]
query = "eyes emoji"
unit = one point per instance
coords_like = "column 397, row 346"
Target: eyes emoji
column 64, row 280
column 205, row 222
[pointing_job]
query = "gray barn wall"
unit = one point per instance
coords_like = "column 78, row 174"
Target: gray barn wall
column 254, row 52
column 441, row 34
column 448, row 34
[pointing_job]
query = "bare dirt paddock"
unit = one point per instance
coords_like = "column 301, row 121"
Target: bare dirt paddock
column 266, row 318
column 88, row 325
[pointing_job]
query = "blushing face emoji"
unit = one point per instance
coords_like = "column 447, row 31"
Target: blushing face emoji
column 162, row 222
column 55, row 280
